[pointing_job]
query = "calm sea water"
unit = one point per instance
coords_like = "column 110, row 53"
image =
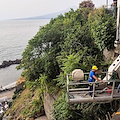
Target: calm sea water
column 14, row 37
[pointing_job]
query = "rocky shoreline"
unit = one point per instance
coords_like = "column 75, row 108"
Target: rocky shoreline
column 6, row 95
column 10, row 62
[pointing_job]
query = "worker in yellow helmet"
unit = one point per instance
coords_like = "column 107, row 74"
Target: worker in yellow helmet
column 92, row 78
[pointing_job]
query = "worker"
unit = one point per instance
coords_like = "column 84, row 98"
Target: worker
column 93, row 78
column 114, row 2
column 115, row 9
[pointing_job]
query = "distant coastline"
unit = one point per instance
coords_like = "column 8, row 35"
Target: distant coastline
column 48, row 16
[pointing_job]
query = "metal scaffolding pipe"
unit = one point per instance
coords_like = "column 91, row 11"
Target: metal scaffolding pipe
column 96, row 99
column 118, row 20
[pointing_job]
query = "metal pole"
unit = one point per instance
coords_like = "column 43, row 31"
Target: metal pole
column 107, row 76
column 93, row 90
column 113, row 86
column 118, row 20
column 68, row 88
column 117, row 41
column 106, row 3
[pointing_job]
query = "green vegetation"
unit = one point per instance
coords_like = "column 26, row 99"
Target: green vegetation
column 102, row 29
column 74, row 40
column 84, row 111
column 29, row 102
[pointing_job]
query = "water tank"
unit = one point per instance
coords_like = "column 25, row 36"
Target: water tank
column 77, row 75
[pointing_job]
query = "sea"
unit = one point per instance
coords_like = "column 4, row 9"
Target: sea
column 14, row 37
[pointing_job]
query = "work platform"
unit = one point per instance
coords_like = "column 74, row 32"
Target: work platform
column 78, row 91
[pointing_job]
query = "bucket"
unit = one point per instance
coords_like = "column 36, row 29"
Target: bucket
column 109, row 89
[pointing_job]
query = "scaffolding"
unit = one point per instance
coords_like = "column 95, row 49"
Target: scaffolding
column 78, row 91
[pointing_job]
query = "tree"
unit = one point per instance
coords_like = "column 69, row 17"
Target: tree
column 103, row 29
column 86, row 4
column 70, row 41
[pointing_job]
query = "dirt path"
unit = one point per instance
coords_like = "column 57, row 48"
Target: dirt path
column 42, row 118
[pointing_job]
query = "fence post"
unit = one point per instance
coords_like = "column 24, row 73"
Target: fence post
column 68, row 88
column 106, row 76
column 113, row 86
column 93, row 90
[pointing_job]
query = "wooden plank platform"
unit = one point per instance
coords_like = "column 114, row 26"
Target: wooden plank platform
column 83, row 96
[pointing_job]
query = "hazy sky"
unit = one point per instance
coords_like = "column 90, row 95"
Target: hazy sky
column 11, row 9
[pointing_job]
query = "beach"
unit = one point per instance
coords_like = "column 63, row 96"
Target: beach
column 7, row 92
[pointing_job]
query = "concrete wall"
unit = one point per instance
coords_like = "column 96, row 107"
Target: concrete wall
column 49, row 99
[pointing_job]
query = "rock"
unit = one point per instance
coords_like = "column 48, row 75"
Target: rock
column 10, row 62
column 42, row 118
column 1, row 116
column 109, row 55
column 20, row 86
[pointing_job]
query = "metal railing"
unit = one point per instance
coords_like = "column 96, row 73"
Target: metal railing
column 100, row 93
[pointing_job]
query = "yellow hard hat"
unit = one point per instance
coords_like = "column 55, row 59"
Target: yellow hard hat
column 94, row 68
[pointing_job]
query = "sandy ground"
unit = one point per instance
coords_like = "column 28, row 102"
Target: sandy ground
column 42, row 118
column 8, row 94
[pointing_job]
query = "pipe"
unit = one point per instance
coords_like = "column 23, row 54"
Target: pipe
column 118, row 20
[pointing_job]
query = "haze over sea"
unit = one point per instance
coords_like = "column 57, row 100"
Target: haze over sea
column 14, row 37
